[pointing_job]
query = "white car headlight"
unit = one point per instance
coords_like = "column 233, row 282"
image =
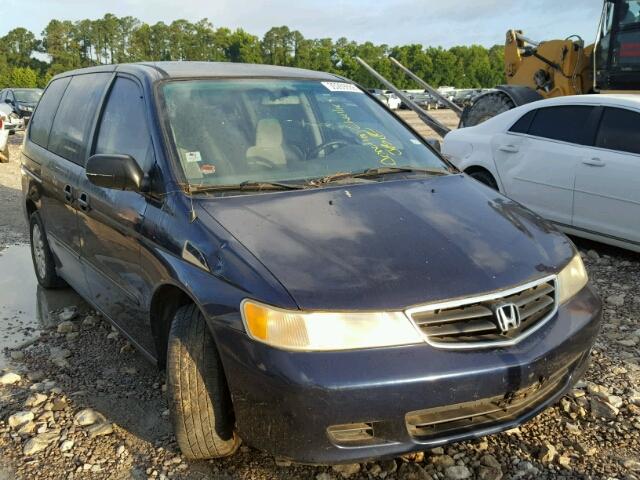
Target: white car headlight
column 296, row 330
column 571, row 279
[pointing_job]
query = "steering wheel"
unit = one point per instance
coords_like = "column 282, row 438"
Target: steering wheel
column 333, row 144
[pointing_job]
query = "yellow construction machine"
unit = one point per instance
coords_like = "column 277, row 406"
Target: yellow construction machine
column 554, row 68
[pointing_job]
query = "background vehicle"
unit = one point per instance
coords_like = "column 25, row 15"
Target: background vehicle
column 22, row 100
column 573, row 160
column 556, row 68
column 5, row 130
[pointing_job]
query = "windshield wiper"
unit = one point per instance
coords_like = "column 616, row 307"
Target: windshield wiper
column 375, row 172
column 245, row 186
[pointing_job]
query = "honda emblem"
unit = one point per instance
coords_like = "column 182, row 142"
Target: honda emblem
column 508, row 317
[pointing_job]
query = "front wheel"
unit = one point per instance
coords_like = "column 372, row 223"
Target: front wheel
column 199, row 399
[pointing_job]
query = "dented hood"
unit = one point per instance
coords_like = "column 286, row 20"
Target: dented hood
column 392, row 244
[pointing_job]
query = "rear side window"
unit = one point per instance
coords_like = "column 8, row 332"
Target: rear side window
column 523, row 125
column 74, row 118
column 123, row 128
column 566, row 123
column 619, row 130
column 40, row 124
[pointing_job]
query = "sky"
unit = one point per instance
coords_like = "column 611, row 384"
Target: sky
column 394, row 22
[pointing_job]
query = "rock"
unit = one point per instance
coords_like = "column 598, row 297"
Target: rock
column 347, row 470
column 99, row 429
column 490, row 461
column 526, row 467
column 416, row 457
column 631, row 464
column 442, row 461
column 66, row 327
column 564, row 461
column 412, row 471
column 489, row 473
column 113, row 336
column 66, row 445
column 35, row 400
column 39, row 443
column 35, row 376
column 27, row 428
column 67, row 314
column 388, row 467
column 72, row 336
column 593, row 255
column 88, row 416
column 457, row 472
column 282, row 462
column 437, row 451
column 10, row 378
column 127, row 348
column 572, row 428
column 615, row 300
column 628, row 342
column 90, row 321
column 602, row 409
column 547, row 453
column 324, row 476
column 20, row 418
column 58, row 404
column 17, row 355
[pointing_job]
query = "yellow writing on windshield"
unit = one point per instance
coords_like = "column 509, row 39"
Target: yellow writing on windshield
column 377, row 141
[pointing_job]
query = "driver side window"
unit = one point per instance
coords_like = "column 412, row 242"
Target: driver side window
column 123, row 127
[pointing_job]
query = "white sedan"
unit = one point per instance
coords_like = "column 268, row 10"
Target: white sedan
column 4, row 134
column 573, row 160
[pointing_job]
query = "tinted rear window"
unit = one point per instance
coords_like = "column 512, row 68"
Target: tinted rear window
column 75, row 115
column 567, row 124
column 522, row 125
column 43, row 116
column 619, row 130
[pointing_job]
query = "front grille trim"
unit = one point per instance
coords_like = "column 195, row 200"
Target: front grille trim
column 461, row 302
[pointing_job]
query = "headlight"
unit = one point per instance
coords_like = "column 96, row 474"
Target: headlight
column 295, row 330
column 571, row 279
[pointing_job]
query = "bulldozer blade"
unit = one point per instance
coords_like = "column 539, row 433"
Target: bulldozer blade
column 431, row 122
column 432, row 91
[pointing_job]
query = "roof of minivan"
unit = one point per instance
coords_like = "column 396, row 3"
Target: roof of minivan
column 208, row 69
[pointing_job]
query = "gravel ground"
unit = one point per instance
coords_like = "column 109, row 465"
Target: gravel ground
column 78, row 402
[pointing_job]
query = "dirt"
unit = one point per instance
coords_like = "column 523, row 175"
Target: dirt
column 84, row 364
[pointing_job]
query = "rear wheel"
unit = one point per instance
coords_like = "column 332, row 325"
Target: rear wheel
column 199, row 398
column 485, row 107
column 43, row 262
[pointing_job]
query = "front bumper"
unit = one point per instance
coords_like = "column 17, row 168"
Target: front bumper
column 285, row 402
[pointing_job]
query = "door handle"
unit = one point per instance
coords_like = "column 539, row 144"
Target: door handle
column 508, row 148
column 83, row 202
column 68, row 193
column 593, row 162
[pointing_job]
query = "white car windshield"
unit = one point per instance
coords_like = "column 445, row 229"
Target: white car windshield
column 228, row 132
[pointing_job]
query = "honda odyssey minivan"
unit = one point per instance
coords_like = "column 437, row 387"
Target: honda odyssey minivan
column 315, row 279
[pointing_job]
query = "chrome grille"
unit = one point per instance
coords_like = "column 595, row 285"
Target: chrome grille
column 475, row 322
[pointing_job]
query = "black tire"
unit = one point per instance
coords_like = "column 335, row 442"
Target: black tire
column 199, row 399
column 485, row 177
column 43, row 262
column 485, row 107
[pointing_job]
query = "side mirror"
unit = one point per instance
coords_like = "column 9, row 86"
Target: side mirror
column 118, row 172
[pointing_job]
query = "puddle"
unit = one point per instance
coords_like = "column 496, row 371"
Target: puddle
column 25, row 306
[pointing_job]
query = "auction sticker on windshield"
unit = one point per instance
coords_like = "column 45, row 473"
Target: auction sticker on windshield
column 341, row 87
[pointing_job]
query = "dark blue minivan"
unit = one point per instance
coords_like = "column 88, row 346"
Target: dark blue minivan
column 312, row 275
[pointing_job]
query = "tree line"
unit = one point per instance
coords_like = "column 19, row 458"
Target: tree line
column 111, row 39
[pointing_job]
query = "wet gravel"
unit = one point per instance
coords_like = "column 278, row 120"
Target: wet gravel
column 76, row 401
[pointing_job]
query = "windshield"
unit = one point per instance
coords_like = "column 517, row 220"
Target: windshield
column 28, row 95
column 227, row 132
